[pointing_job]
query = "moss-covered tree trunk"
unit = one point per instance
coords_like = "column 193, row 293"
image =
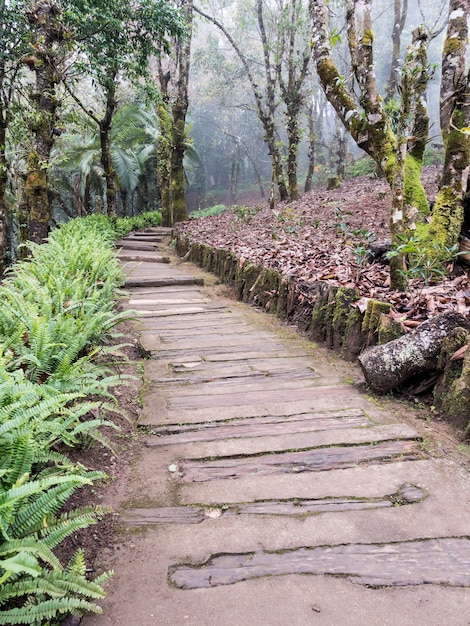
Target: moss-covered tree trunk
column 3, row 165
column 178, row 148
column 45, row 24
column 365, row 117
column 173, row 79
column 105, row 124
column 311, row 149
column 448, row 215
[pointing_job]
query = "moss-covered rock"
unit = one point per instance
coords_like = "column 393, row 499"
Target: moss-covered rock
column 372, row 318
column 344, row 298
column 389, row 329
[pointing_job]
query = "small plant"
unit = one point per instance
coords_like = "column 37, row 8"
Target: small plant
column 217, row 209
column 340, row 223
column 289, row 219
column 244, row 214
column 425, row 263
column 360, row 167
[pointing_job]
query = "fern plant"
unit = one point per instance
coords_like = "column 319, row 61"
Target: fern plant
column 34, row 586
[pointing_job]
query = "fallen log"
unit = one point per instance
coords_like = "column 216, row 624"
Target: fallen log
column 388, row 366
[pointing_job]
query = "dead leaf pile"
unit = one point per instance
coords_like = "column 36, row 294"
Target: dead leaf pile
column 325, row 236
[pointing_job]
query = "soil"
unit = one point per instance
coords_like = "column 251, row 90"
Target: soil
column 113, row 462
column 326, row 235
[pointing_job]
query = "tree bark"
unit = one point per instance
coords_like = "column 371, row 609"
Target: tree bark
column 399, row 21
column 311, row 149
column 43, row 18
column 448, row 214
column 390, row 365
column 173, row 81
column 105, row 124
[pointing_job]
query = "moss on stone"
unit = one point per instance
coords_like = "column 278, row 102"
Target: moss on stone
column 389, row 329
column 264, row 291
column 343, row 298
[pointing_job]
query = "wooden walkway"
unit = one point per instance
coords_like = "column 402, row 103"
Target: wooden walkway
column 271, row 491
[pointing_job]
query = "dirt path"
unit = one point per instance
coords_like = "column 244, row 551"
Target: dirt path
column 271, row 491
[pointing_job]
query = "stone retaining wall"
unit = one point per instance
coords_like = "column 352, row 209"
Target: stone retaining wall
column 324, row 312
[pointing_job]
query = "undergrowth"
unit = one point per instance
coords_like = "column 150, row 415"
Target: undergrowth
column 56, row 312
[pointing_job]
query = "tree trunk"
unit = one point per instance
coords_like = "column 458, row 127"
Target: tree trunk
column 311, row 150
column 43, row 18
column 390, row 365
column 105, row 144
column 399, row 21
column 173, row 81
column 448, row 214
column 3, row 171
column 414, row 75
column 178, row 200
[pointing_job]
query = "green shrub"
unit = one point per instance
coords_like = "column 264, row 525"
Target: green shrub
column 360, row 167
column 56, row 310
column 217, row 209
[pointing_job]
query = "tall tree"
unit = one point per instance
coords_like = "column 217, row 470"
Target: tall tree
column 400, row 12
column 173, row 81
column 448, row 215
column 47, row 42
column 116, row 41
column 365, row 117
column 13, row 48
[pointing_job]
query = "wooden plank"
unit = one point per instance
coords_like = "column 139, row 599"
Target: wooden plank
column 135, row 245
column 218, row 378
column 225, row 352
column 162, row 282
column 254, row 397
column 257, row 427
column 135, row 258
column 177, row 311
column 195, row 514
column 163, row 515
column 312, row 460
column 441, row 561
column 144, row 237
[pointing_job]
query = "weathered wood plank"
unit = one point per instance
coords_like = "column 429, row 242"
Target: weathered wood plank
column 182, row 311
column 135, row 258
column 312, row 460
column 254, row 397
column 224, row 352
column 162, row 282
column 195, row 514
column 135, row 245
column 220, row 379
column 257, row 427
column 163, row 515
column 441, row 561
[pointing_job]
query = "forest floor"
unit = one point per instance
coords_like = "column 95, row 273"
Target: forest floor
column 326, row 234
